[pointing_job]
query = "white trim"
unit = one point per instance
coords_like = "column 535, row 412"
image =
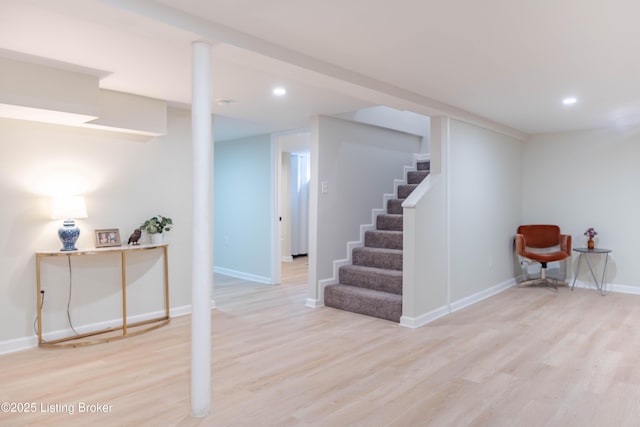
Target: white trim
column 609, row 287
column 113, row 323
column 484, row 294
column 242, row 275
column 445, row 170
column 276, row 223
column 185, row 310
column 623, row 289
column 416, row 322
column 313, row 290
column 287, row 258
column 313, row 303
column 18, row 344
column 26, row 343
column 423, row 319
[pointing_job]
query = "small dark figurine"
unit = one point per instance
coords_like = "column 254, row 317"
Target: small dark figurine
column 135, row 236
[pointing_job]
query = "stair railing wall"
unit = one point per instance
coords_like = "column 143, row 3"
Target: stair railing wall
column 424, row 255
column 425, row 279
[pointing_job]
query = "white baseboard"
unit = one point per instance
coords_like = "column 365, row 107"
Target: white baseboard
column 609, row 287
column 313, row 303
column 479, row 296
column 321, row 285
column 287, row 258
column 423, row 319
column 25, row 343
column 623, row 289
column 18, row 344
column 186, row 310
column 242, row 275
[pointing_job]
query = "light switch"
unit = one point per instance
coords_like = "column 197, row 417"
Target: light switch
column 324, row 187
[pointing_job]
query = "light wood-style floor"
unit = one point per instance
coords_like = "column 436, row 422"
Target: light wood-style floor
column 526, row 357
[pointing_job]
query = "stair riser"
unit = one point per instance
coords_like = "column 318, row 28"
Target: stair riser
column 405, row 190
column 374, row 239
column 371, row 280
column 423, row 166
column 391, row 261
column 416, row 177
column 391, row 223
column 394, row 206
column 385, row 308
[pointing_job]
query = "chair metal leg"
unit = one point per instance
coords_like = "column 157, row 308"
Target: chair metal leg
column 543, row 281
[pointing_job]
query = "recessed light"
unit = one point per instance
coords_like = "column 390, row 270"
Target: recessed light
column 224, row 101
column 570, row 100
column 279, row 91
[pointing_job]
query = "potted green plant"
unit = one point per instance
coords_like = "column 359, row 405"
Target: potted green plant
column 156, row 227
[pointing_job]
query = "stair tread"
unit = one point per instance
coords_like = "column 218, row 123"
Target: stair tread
column 380, row 304
column 367, row 291
column 391, row 239
column 378, row 257
column 379, row 250
column 371, row 277
column 381, row 271
column 388, row 232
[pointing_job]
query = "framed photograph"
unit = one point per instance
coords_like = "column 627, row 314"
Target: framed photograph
column 107, row 237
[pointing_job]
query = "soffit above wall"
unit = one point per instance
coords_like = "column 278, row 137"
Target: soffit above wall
column 32, row 91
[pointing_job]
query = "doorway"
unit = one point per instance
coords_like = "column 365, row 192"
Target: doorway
column 293, row 178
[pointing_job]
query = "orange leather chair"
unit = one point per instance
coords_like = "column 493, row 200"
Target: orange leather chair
column 542, row 243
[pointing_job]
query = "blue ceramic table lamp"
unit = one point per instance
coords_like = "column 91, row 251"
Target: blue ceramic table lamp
column 68, row 208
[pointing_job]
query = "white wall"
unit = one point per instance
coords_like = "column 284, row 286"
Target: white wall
column 125, row 180
column 243, row 207
column 588, row 179
column 390, row 118
column 359, row 163
column 485, row 170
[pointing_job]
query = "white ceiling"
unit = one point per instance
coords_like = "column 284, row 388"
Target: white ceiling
column 510, row 62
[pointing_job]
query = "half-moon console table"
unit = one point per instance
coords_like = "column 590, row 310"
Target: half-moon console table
column 77, row 340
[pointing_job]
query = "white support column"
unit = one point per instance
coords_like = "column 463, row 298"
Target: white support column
column 202, row 264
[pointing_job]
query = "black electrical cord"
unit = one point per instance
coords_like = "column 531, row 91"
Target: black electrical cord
column 69, row 299
column 35, row 320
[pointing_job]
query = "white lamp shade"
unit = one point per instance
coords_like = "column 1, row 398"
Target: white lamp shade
column 70, row 207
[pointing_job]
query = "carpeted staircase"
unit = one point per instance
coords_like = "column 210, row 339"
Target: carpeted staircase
column 372, row 285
